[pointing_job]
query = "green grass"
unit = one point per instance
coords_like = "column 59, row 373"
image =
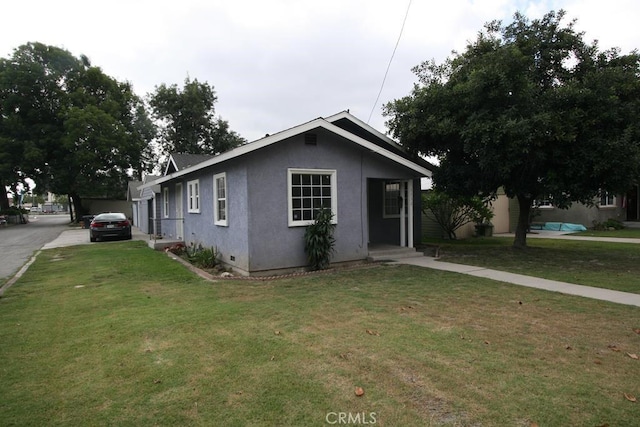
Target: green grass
column 600, row 264
column 117, row 334
column 633, row 233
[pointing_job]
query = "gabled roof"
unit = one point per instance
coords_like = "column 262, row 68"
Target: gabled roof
column 383, row 145
column 179, row 161
column 132, row 190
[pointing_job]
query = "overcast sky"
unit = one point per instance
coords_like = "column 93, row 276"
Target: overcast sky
column 278, row 63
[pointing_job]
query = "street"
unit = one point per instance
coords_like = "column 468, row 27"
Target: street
column 19, row 242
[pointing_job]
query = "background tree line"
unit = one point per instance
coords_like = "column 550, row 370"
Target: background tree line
column 74, row 130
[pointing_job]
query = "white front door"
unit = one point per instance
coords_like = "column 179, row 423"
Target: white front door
column 179, row 213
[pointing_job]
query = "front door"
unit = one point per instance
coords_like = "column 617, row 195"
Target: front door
column 179, row 213
column 390, row 212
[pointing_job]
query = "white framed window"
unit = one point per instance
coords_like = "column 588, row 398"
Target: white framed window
column 165, row 202
column 310, row 190
column 392, row 200
column 607, row 200
column 543, row 203
column 220, row 199
column 193, row 196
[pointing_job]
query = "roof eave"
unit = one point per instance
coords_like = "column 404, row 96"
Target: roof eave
column 306, row 127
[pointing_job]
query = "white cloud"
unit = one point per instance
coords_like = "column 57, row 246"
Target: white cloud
column 278, row 63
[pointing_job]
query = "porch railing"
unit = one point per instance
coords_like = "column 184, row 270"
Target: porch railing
column 156, row 224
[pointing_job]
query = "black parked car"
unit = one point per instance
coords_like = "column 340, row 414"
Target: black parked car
column 112, row 224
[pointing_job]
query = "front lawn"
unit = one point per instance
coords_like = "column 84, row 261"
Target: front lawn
column 600, row 264
column 120, row 335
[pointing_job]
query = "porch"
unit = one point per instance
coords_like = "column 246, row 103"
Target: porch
column 386, row 252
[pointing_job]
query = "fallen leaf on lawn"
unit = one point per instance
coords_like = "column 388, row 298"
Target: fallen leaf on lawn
column 637, row 331
column 533, row 424
column 612, row 347
column 273, row 357
column 568, row 347
column 629, row 397
column 487, row 342
column 359, row 391
column 633, row 356
column 370, row 332
column 277, row 332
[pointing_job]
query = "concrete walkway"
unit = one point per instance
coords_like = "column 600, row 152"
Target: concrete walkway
column 544, row 234
column 80, row 236
column 529, row 281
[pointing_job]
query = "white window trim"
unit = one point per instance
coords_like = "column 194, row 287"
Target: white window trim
column 165, row 202
column 613, row 203
column 193, row 200
column 217, row 220
column 334, row 194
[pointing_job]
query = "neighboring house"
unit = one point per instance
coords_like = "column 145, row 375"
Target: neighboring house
column 502, row 220
column 96, row 205
column 145, row 205
column 608, row 206
column 253, row 203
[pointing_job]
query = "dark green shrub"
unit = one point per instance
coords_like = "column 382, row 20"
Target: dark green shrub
column 613, row 223
column 319, row 241
column 452, row 213
column 202, row 257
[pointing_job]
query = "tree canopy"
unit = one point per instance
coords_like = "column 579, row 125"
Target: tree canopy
column 187, row 120
column 68, row 126
column 530, row 107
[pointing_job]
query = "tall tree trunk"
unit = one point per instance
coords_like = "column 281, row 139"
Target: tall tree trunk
column 4, row 200
column 524, row 202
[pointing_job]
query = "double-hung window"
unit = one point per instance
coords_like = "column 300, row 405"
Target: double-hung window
column 310, row 190
column 607, row 200
column 220, row 199
column 165, row 202
column 193, row 196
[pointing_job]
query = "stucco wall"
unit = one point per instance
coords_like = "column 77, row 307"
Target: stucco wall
column 200, row 228
column 273, row 243
column 580, row 214
column 258, row 236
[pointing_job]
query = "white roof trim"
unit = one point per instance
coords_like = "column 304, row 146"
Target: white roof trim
column 170, row 162
column 349, row 116
column 306, row 127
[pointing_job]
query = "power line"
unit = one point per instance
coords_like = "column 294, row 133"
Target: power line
column 390, row 61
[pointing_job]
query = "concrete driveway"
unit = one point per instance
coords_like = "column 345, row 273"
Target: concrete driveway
column 80, row 236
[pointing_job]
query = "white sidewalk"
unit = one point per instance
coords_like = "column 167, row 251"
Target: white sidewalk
column 529, row 281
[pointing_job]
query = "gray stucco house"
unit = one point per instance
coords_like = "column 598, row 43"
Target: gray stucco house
column 254, row 202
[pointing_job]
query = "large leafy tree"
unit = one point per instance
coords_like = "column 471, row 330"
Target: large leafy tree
column 531, row 107
column 188, row 122
column 69, row 126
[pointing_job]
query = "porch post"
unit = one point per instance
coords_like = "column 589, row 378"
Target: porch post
column 403, row 208
column 410, row 207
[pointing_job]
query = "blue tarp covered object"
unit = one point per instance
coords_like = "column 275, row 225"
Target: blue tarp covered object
column 563, row 226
